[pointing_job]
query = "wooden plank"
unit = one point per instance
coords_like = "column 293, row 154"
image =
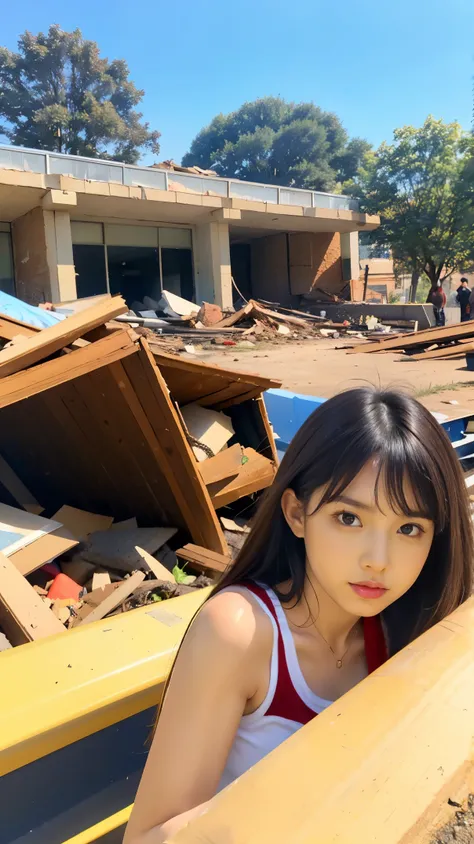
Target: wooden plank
column 256, row 474
column 32, row 381
column 51, row 340
column 94, row 476
column 80, row 522
column 226, row 464
column 253, row 393
column 428, row 336
column 11, row 328
column 166, row 507
column 258, row 311
column 445, row 352
column 268, row 429
column 204, row 560
column 126, row 449
column 227, row 322
column 43, row 550
column 17, row 489
column 177, row 460
column 174, row 362
column 112, row 601
column 24, row 614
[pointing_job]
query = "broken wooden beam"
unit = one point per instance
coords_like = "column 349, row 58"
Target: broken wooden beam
column 412, row 339
column 257, row 473
column 203, row 560
column 44, row 343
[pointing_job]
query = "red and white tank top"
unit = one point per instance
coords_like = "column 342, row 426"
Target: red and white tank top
column 289, row 702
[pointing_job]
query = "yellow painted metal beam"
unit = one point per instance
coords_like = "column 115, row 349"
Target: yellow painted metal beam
column 373, row 766
column 96, row 832
column 63, row 688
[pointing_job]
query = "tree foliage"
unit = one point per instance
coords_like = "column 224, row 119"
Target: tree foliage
column 57, row 93
column 422, row 186
column 273, row 141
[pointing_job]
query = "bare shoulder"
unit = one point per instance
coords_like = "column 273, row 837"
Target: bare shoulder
column 233, row 619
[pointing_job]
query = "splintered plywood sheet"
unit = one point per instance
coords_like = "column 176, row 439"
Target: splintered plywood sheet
column 80, row 522
column 210, row 427
column 117, row 549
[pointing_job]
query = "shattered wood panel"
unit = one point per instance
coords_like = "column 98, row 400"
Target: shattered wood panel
column 72, row 471
column 119, row 427
column 178, row 462
column 143, row 489
column 28, row 382
column 97, row 458
column 51, row 340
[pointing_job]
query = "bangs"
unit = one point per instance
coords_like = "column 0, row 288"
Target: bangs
column 411, row 480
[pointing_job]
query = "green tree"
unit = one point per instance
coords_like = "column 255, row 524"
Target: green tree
column 57, row 93
column 271, row 140
column 422, row 186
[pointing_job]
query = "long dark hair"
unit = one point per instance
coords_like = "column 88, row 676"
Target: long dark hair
column 329, row 450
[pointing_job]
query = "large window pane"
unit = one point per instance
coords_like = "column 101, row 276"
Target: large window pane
column 134, row 272
column 118, row 235
column 171, row 238
column 87, row 232
column 7, row 283
column 89, row 263
column 177, row 266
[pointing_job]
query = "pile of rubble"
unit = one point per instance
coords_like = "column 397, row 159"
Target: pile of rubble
column 127, row 475
column 255, row 321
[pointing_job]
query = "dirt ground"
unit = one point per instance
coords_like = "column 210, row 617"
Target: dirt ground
column 318, row 368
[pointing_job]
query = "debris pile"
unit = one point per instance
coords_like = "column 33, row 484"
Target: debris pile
column 127, row 475
column 448, row 341
column 254, row 321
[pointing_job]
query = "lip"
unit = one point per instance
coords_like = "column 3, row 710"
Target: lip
column 369, row 589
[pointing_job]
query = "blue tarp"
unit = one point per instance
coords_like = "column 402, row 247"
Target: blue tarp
column 16, row 309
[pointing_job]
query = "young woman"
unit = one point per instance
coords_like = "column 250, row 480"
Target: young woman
column 363, row 542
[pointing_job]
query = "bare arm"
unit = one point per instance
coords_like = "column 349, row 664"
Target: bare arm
column 216, row 673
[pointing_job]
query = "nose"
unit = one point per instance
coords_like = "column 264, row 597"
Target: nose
column 376, row 554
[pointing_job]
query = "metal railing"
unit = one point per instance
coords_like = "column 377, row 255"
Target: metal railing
column 97, row 170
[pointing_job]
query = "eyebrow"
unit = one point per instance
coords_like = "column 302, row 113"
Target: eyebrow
column 352, row 502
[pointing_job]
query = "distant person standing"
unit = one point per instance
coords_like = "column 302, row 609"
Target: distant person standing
column 463, row 294
column 437, row 298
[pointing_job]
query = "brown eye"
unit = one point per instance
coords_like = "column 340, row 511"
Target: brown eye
column 349, row 519
column 410, row 530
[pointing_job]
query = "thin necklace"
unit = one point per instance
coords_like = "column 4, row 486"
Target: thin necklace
column 339, row 660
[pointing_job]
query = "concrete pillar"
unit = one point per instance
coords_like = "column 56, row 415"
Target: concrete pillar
column 212, row 264
column 350, row 255
column 44, row 265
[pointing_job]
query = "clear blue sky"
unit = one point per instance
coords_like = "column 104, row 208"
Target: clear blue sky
column 378, row 64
